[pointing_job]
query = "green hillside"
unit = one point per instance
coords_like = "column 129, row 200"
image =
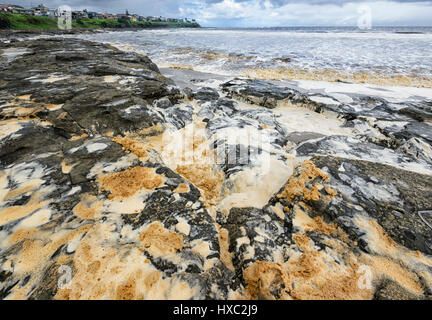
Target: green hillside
column 18, row 21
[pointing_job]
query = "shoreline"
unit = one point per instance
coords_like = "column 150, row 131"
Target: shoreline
column 325, row 75
column 56, row 31
column 159, row 183
column 288, row 73
column 193, row 79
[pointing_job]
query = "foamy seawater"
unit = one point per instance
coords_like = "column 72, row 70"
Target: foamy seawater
column 317, row 53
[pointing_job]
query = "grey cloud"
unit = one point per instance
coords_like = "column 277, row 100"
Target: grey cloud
column 146, row 7
column 280, row 3
column 317, row 2
column 171, row 8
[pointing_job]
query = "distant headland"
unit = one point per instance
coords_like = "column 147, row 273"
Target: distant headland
column 41, row 17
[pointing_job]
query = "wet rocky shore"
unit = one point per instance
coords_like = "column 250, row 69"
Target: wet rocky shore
column 116, row 183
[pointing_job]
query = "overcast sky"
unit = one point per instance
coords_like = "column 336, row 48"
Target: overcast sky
column 264, row 13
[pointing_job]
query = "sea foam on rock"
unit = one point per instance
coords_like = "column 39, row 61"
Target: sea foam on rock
column 256, row 190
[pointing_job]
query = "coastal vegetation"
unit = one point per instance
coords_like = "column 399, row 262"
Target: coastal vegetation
column 19, row 21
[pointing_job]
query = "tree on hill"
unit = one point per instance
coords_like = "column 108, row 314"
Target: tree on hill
column 4, row 22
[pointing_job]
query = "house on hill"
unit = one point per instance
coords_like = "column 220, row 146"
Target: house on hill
column 25, row 11
column 40, row 7
column 94, row 15
column 79, row 15
column 108, row 16
column 43, row 11
column 9, row 7
column 123, row 17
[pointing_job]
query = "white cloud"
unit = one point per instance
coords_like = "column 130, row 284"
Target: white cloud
column 256, row 13
column 265, row 13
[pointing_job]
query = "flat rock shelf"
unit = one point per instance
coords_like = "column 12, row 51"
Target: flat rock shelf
column 115, row 183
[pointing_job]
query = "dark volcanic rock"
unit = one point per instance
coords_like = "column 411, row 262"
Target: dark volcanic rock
column 115, row 185
column 61, row 102
column 111, row 111
column 354, row 148
column 257, row 235
column 390, row 290
column 372, row 208
column 54, row 55
column 206, row 94
column 299, row 137
column 388, row 124
column 260, row 92
column 391, row 196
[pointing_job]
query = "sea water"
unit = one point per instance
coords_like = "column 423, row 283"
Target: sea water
column 391, row 51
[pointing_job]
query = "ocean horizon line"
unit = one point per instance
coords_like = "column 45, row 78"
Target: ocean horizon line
column 315, row 27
